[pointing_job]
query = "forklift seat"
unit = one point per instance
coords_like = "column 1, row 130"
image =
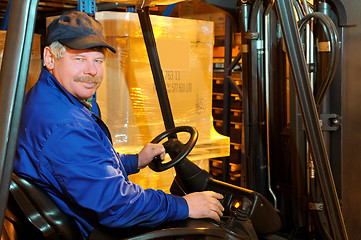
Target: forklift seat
column 34, row 215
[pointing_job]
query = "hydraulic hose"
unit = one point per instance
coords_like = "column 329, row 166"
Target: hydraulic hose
column 332, row 35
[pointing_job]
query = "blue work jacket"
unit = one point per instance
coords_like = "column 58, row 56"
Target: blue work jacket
column 66, row 149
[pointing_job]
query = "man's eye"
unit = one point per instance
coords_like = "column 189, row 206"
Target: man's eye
column 99, row 61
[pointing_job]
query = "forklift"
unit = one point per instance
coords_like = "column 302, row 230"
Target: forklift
column 267, row 29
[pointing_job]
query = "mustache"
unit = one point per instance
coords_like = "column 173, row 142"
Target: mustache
column 87, row 79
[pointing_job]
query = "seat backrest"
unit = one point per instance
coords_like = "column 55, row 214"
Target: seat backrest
column 40, row 211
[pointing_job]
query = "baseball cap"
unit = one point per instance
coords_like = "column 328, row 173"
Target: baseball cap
column 77, row 30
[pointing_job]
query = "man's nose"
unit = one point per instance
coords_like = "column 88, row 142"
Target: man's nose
column 90, row 68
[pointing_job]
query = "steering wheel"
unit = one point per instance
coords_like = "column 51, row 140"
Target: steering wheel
column 156, row 165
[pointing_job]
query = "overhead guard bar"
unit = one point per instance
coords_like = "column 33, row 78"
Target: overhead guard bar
column 13, row 76
column 146, row 25
column 310, row 116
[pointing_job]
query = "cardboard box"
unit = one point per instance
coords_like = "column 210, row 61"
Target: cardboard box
column 128, row 98
column 204, row 11
column 35, row 59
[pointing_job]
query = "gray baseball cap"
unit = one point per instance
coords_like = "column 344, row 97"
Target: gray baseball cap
column 77, row 30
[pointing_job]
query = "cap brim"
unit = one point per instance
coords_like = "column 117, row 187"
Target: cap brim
column 86, row 42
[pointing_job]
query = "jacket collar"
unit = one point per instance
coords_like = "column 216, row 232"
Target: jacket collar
column 47, row 78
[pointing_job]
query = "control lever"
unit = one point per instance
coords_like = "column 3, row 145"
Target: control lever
column 190, row 178
column 239, row 226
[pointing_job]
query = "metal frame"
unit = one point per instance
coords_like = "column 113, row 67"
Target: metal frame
column 310, row 116
column 158, row 76
column 13, row 77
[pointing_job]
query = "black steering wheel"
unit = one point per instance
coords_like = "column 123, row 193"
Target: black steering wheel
column 157, row 165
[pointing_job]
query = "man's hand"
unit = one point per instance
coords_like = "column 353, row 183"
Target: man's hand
column 149, row 151
column 204, row 205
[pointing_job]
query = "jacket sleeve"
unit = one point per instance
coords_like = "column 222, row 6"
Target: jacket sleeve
column 92, row 180
column 130, row 162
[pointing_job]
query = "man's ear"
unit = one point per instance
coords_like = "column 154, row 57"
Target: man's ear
column 48, row 58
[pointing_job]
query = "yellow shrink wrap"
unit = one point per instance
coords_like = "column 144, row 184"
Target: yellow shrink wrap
column 35, row 59
column 129, row 101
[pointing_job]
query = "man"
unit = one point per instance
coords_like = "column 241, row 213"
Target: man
column 65, row 148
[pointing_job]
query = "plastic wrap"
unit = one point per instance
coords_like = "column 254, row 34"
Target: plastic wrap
column 127, row 96
column 35, row 59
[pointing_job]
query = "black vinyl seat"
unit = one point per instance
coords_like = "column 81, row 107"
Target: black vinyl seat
column 34, row 215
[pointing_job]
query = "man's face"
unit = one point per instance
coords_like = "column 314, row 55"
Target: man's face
column 80, row 72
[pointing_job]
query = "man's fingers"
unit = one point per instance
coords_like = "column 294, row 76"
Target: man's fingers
column 157, row 149
column 215, row 216
column 218, row 211
column 216, row 207
column 214, row 194
column 220, row 206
